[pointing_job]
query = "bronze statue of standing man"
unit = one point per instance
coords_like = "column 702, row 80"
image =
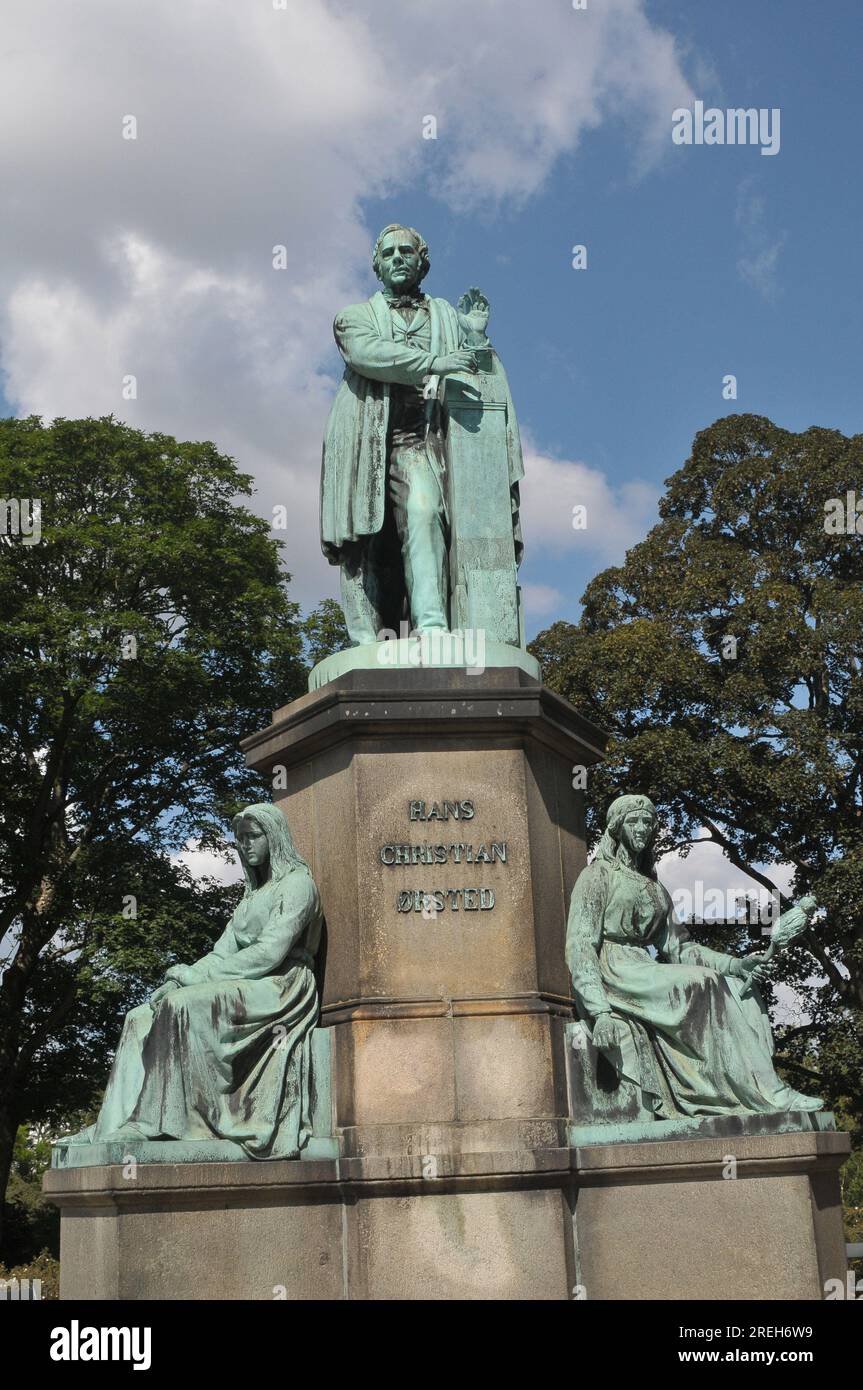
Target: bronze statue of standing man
column 386, row 497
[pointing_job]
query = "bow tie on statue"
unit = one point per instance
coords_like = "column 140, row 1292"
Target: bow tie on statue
column 406, row 301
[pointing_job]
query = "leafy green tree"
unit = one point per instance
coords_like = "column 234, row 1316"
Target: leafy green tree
column 32, row 1224
column 724, row 659
column 141, row 638
column 325, row 631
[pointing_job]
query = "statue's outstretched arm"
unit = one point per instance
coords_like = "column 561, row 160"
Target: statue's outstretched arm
column 675, row 946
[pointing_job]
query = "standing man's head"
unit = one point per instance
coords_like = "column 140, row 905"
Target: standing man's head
column 401, row 258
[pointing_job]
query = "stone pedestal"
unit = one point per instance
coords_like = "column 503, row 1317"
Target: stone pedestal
column 617, row 1221
column 445, row 983
column 438, row 814
column 754, row 1218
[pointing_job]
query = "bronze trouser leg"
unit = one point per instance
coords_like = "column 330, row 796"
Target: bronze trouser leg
column 372, row 583
column 417, row 502
column 362, row 615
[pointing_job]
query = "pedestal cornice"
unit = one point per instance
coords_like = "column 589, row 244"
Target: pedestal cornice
column 430, row 702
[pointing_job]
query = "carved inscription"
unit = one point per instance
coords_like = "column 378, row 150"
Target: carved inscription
column 432, row 901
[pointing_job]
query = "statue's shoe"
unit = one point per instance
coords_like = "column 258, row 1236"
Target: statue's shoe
column 88, row 1135
column 797, row 1101
column 126, row 1131
column 83, row 1136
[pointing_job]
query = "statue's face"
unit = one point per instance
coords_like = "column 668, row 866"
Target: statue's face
column 637, row 831
column 399, row 263
column 253, row 843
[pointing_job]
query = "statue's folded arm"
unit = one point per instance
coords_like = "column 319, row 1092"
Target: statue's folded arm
column 381, row 359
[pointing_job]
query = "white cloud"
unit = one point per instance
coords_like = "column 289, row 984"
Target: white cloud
column 542, row 599
column 758, row 262
column 706, row 864
column 260, row 127
column 616, row 517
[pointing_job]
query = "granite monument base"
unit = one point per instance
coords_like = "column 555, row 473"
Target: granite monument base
column 663, row 1220
column 442, row 814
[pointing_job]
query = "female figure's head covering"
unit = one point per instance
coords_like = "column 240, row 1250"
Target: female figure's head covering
column 284, row 855
column 608, row 850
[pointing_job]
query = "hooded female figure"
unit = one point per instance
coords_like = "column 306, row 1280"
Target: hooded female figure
column 689, row 1026
column 222, row 1048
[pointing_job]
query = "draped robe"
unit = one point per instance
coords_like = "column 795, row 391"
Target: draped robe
column 354, row 463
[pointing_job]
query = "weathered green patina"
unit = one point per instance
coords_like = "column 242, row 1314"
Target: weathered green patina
column 680, row 1035
column 426, row 650
column 218, row 1063
column 421, row 463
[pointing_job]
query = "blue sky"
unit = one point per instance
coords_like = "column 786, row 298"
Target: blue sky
column 702, row 261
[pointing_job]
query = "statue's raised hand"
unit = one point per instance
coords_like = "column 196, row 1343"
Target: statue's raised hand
column 473, row 313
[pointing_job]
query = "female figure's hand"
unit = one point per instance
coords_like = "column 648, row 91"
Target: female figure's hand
column 605, row 1032
column 183, row 974
column 159, row 994
column 753, row 967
